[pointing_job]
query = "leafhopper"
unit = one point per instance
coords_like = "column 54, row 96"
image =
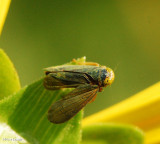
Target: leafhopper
column 87, row 79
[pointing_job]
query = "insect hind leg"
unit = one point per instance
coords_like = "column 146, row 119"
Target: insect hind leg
column 85, row 63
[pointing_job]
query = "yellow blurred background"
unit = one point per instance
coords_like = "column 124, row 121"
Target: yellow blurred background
column 123, row 35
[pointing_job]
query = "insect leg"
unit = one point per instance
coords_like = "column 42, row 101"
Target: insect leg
column 92, row 100
column 85, row 63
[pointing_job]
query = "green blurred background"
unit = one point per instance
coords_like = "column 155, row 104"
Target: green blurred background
column 124, row 35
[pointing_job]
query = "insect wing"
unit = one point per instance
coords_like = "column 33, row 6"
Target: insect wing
column 71, row 68
column 58, row 80
column 64, row 109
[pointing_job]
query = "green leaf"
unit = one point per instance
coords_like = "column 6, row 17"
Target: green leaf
column 26, row 113
column 104, row 133
column 9, row 81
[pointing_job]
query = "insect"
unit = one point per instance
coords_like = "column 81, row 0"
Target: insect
column 87, row 79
